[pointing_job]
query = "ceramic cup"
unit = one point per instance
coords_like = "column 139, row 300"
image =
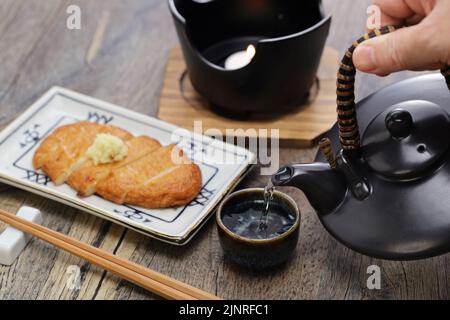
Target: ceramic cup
column 258, row 254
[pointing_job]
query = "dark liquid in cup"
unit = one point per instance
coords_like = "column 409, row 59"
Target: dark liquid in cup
column 252, row 219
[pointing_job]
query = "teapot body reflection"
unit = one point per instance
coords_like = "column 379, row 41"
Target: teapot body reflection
column 385, row 194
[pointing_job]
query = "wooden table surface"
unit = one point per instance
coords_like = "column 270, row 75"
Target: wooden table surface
column 119, row 55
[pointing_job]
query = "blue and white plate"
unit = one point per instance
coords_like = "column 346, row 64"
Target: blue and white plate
column 222, row 165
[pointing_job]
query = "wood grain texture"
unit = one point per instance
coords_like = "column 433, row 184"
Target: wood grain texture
column 181, row 105
column 121, row 59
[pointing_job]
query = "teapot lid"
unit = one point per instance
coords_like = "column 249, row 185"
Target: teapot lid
column 406, row 139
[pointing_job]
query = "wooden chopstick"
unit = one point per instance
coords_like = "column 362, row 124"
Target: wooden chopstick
column 150, row 280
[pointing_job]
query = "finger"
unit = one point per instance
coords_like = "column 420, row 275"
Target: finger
column 386, row 17
column 422, row 7
column 387, row 20
column 398, row 9
column 415, row 19
column 430, row 67
column 395, row 52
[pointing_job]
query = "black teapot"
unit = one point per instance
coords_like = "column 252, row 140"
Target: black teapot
column 386, row 194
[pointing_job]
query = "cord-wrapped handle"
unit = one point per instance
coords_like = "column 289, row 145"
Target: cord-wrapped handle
column 346, row 107
column 327, row 150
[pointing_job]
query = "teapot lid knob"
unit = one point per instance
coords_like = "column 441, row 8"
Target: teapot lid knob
column 407, row 139
column 399, row 122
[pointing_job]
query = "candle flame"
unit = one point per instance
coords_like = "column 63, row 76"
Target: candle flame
column 251, row 51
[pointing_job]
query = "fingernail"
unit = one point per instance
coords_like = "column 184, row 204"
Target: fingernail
column 365, row 58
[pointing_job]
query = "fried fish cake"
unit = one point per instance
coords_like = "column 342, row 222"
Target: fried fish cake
column 149, row 175
column 64, row 150
column 162, row 178
column 85, row 179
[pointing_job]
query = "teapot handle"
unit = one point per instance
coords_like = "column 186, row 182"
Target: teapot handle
column 346, row 109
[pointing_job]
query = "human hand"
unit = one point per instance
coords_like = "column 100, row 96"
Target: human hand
column 423, row 45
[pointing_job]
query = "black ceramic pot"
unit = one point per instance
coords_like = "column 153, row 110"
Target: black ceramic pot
column 289, row 37
column 258, row 254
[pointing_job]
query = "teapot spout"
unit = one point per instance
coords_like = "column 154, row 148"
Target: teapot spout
column 325, row 188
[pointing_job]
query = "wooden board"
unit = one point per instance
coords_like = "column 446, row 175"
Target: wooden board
column 180, row 104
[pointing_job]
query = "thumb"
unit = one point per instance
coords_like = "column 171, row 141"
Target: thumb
column 404, row 49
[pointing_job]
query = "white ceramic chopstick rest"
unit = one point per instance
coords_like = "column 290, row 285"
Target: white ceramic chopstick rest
column 13, row 241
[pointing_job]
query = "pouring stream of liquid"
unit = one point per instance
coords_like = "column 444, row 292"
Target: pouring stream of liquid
column 268, row 197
